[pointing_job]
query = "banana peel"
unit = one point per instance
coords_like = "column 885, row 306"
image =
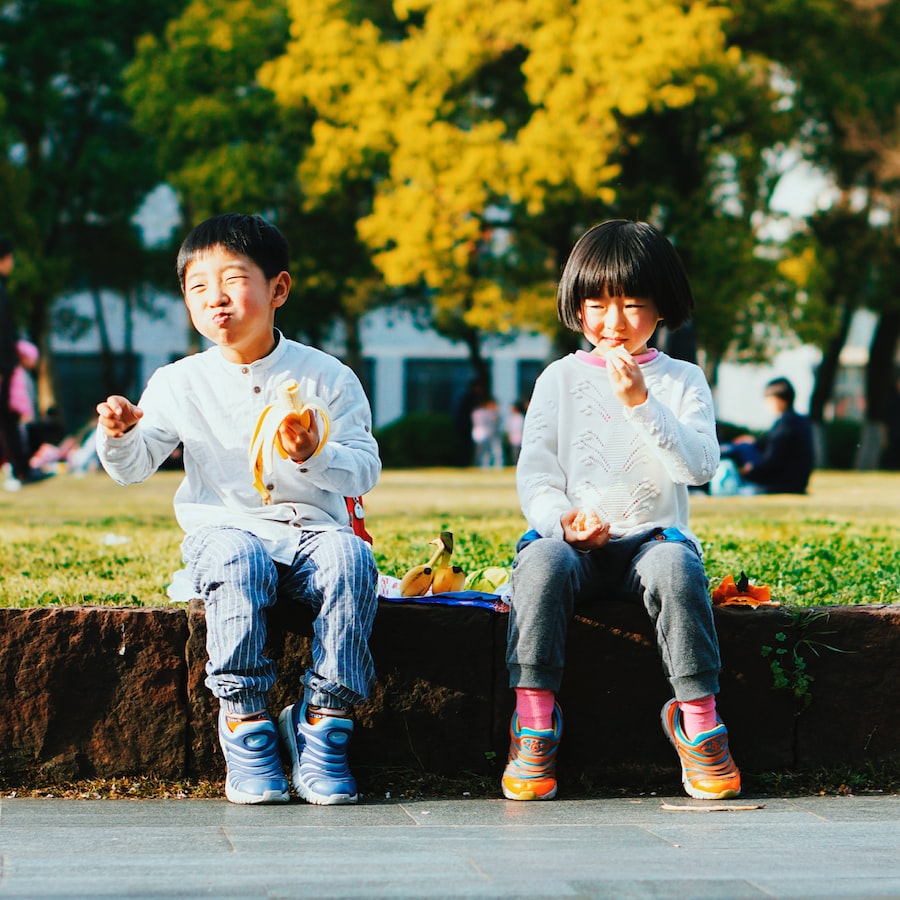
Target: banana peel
column 487, row 580
column 266, row 440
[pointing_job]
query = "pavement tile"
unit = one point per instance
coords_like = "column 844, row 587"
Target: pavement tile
column 791, row 848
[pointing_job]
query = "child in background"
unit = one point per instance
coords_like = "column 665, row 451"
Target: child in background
column 242, row 554
column 612, row 440
column 515, row 422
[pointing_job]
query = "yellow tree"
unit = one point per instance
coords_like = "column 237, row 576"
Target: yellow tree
column 471, row 121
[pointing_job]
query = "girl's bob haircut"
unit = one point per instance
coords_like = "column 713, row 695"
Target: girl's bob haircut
column 621, row 258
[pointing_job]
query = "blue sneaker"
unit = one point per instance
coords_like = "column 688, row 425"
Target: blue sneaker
column 320, row 772
column 253, row 762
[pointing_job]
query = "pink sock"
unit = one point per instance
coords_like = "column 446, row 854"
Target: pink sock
column 698, row 716
column 535, row 708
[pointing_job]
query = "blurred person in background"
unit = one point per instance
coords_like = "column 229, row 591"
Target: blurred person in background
column 12, row 445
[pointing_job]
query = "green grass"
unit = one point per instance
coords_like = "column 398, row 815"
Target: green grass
column 72, row 541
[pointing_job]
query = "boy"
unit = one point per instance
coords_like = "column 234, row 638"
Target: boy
column 243, row 550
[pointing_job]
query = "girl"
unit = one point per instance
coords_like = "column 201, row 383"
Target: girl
column 612, row 440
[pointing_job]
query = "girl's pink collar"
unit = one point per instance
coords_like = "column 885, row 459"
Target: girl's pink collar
column 595, row 360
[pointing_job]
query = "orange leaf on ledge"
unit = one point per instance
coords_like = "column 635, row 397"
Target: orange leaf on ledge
column 742, row 593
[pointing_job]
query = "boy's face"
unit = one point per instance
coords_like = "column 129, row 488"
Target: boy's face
column 610, row 322
column 232, row 303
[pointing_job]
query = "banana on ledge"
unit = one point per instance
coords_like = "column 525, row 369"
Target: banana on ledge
column 266, row 440
column 436, row 574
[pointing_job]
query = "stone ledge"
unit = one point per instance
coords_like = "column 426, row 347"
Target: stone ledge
column 108, row 692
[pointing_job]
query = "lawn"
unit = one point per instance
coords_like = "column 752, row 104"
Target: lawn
column 86, row 540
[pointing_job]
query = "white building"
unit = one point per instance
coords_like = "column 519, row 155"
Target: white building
column 409, row 369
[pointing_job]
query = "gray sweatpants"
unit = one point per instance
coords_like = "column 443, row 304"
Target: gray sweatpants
column 334, row 572
column 661, row 569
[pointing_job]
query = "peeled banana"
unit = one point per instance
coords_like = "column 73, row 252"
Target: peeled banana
column 436, row 574
column 266, row 439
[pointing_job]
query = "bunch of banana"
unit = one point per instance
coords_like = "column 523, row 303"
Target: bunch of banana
column 436, row 574
column 266, row 439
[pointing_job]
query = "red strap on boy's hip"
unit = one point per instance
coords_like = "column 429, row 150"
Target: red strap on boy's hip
column 357, row 518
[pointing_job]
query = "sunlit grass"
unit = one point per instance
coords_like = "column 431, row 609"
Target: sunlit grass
column 89, row 541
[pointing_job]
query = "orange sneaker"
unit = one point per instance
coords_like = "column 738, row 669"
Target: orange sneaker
column 707, row 770
column 530, row 772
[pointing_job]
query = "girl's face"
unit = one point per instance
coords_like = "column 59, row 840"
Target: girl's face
column 628, row 322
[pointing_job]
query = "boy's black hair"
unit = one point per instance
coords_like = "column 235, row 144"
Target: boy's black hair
column 250, row 236
column 621, row 258
column 6, row 246
column 783, row 389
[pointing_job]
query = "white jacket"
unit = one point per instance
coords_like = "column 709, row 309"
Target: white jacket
column 212, row 406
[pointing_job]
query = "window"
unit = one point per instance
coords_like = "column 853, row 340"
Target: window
column 436, row 385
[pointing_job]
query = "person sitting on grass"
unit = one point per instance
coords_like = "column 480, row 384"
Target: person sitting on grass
column 612, row 440
column 783, row 460
column 242, row 554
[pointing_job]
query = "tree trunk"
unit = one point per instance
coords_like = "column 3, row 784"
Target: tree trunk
column 879, row 388
column 828, row 368
column 353, row 355
column 106, row 354
column 471, row 337
column 824, row 385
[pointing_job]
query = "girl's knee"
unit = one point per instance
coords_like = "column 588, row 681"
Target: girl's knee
column 675, row 565
column 546, row 557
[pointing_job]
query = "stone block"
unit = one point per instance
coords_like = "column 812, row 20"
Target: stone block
column 432, row 704
column 92, row 691
column 98, row 691
column 852, row 656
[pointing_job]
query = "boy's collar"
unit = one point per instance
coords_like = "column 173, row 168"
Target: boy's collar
column 272, row 358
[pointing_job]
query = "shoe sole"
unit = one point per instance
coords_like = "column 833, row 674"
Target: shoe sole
column 286, row 730
column 527, row 795
column 689, row 789
column 269, row 797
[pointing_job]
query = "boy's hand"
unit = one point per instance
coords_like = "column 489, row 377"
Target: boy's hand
column 299, row 443
column 626, row 377
column 585, row 529
column 118, row 415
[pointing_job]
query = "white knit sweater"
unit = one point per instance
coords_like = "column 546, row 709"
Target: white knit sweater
column 583, row 449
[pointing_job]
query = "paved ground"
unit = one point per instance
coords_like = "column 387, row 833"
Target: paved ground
column 646, row 847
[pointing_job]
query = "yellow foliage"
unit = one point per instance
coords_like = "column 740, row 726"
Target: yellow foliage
column 799, row 269
column 409, row 115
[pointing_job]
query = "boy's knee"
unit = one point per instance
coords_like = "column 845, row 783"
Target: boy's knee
column 227, row 549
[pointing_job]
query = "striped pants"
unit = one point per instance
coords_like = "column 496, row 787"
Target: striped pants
column 333, row 571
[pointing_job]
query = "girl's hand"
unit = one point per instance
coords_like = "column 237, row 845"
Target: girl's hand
column 118, row 415
column 626, row 377
column 584, row 529
column 299, row 443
